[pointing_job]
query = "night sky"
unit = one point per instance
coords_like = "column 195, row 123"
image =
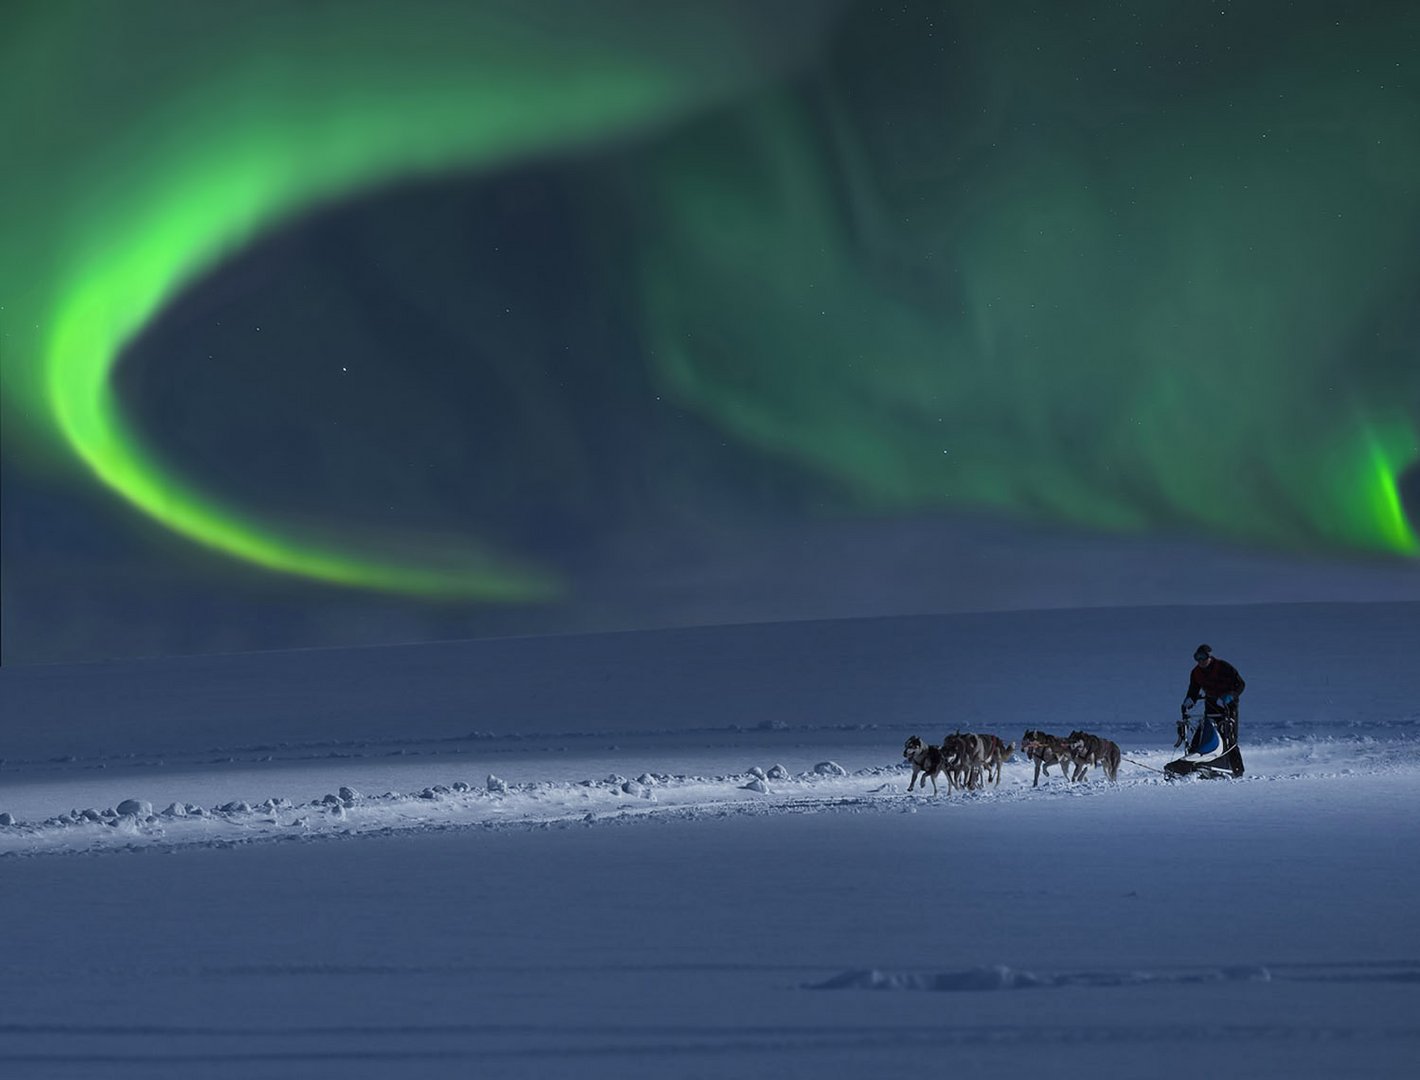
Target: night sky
column 358, row 322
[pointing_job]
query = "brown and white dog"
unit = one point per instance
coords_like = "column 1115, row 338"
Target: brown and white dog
column 969, row 759
column 1087, row 750
column 1046, row 750
column 926, row 761
column 992, row 753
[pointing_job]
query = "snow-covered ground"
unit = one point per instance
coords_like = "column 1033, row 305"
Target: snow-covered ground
column 693, row 852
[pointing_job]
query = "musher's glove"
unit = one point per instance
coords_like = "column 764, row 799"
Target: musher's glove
column 1226, row 700
column 1188, row 703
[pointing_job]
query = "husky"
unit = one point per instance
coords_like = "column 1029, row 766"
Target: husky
column 992, row 753
column 1046, row 750
column 926, row 761
column 1087, row 750
column 970, row 760
column 960, row 763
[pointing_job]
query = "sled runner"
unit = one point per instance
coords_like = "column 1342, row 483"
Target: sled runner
column 1210, row 754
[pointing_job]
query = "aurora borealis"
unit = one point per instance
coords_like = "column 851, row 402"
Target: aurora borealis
column 1141, row 312
column 233, row 137
column 1150, row 269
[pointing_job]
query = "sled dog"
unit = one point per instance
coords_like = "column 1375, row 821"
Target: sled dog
column 1046, row 750
column 971, row 759
column 958, row 762
column 1087, row 750
column 992, row 753
column 926, row 762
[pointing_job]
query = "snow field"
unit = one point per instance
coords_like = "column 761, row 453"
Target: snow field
column 578, row 857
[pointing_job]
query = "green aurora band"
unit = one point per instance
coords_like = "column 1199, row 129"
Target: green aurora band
column 1027, row 281
column 1130, row 313
column 267, row 111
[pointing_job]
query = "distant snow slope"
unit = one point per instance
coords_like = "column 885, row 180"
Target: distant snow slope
column 1310, row 667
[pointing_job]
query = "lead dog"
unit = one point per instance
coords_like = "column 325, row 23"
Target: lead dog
column 1046, row 750
column 926, row 761
column 1087, row 750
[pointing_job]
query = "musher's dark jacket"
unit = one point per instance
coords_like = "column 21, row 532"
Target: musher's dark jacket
column 1212, row 682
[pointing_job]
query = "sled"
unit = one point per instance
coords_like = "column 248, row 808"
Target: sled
column 1209, row 754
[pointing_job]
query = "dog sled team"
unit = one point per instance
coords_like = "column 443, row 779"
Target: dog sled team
column 971, row 760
